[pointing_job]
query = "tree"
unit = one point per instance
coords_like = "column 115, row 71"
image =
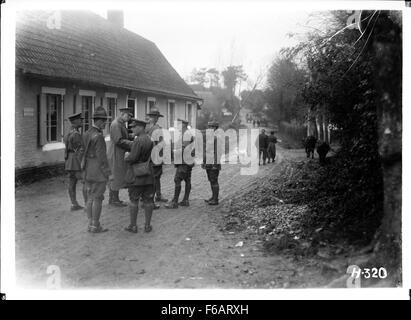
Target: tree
column 232, row 75
column 214, row 76
column 254, row 101
column 198, row 76
column 284, row 85
column 355, row 79
column 386, row 47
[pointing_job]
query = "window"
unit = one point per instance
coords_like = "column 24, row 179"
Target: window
column 53, row 117
column 151, row 103
column 131, row 103
column 87, row 110
column 87, row 107
column 50, row 125
column 171, row 113
column 189, row 113
column 111, row 107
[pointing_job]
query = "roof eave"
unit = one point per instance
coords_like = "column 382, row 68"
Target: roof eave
column 143, row 90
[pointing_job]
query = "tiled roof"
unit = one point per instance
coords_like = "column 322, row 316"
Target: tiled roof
column 89, row 48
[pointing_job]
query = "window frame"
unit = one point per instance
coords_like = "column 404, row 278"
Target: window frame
column 44, row 143
column 59, row 118
column 189, row 109
column 150, row 99
column 135, row 104
column 169, row 124
column 87, row 93
column 107, row 97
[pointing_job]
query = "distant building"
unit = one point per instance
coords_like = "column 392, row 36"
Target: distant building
column 72, row 61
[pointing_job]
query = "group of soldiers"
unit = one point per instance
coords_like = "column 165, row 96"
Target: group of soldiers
column 266, row 146
column 127, row 164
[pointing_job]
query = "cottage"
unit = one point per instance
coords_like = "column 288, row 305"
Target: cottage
column 72, row 61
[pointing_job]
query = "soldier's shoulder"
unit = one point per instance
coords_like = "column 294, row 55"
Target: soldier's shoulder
column 143, row 138
column 75, row 133
column 94, row 133
column 155, row 127
column 115, row 123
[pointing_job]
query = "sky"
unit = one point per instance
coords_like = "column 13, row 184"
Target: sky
column 216, row 34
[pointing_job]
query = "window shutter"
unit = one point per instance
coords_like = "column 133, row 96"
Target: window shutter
column 42, row 119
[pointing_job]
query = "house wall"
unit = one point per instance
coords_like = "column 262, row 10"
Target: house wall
column 29, row 152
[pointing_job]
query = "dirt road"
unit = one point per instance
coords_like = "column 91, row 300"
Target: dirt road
column 186, row 249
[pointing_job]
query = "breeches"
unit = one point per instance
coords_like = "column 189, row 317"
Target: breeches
column 145, row 192
column 95, row 190
column 182, row 174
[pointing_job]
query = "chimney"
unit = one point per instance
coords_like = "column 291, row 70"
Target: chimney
column 116, row 17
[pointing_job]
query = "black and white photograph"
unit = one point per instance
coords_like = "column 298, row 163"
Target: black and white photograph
column 203, row 145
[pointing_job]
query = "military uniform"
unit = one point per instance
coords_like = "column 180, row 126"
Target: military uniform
column 96, row 171
column 120, row 143
column 213, row 169
column 74, row 151
column 157, row 168
column 183, row 173
column 262, row 146
column 140, row 186
column 271, row 150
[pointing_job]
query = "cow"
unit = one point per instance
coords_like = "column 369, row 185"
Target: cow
column 322, row 150
column 309, row 144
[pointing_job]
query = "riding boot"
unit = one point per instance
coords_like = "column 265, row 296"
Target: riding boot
column 177, row 191
column 148, row 210
column 116, row 200
column 72, row 190
column 89, row 211
column 174, row 203
column 96, row 213
column 110, row 196
column 157, row 188
column 185, row 202
column 214, row 200
column 133, row 218
column 84, row 191
column 208, row 200
column 72, row 193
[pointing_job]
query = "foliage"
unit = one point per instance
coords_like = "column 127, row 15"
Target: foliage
column 332, row 71
column 284, row 83
column 254, row 101
column 341, row 82
column 198, row 76
column 232, row 75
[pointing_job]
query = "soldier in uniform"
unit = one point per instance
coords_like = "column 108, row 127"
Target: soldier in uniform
column 120, row 143
column 271, row 149
column 73, row 156
column 141, row 185
column 152, row 118
column 183, row 173
column 262, row 146
column 213, row 169
column 97, row 170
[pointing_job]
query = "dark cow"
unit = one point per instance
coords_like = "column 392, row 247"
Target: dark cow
column 309, row 145
column 322, row 150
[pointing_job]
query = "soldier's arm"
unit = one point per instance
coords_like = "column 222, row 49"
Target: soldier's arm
column 101, row 153
column 117, row 138
column 134, row 153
